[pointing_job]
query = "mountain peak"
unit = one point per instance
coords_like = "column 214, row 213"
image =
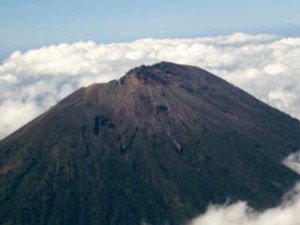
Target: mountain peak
column 157, row 74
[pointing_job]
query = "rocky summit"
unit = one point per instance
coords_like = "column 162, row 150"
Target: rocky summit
column 154, row 147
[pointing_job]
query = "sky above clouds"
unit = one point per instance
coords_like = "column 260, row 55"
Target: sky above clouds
column 34, row 23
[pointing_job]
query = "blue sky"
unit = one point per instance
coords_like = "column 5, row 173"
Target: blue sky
column 33, row 23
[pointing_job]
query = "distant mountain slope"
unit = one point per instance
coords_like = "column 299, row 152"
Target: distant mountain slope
column 156, row 146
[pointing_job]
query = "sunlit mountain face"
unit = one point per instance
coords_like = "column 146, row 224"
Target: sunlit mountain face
column 157, row 146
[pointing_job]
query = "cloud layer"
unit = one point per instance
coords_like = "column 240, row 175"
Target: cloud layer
column 293, row 162
column 264, row 65
column 241, row 214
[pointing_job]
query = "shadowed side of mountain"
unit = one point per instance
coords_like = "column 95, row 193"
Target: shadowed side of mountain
column 156, row 146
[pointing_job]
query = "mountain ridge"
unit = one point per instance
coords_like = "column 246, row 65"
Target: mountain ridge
column 157, row 146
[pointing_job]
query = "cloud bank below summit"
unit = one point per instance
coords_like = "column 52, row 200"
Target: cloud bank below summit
column 241, row 214
column 264, row 65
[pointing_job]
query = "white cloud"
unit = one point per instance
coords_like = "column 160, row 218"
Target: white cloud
column 241, row 214
column 264, row 65
column 293, row 161
column 13, row 114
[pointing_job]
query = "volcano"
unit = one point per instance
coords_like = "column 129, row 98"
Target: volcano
column 154, row 147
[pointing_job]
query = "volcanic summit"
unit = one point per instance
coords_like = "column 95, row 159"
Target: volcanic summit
column 154, row 147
